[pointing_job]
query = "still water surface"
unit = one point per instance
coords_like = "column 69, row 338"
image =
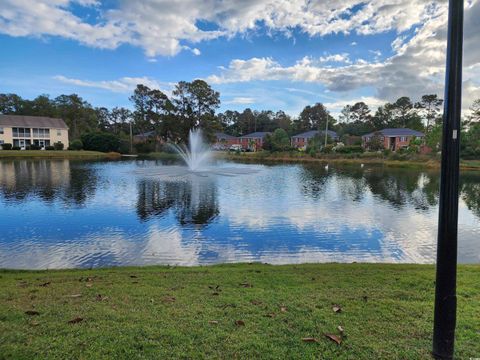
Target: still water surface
column 64, row 214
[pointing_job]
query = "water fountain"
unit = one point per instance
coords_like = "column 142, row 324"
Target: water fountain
column 198, row 159
column 198, row 156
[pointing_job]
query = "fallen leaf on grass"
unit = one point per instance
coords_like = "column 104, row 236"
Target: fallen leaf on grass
column 336, row 308
column 32, row 312
column 334, row 338
column 270, row 315
column 89, row 285
column 340, row 329
column 100, row 297
column 215, row 293
column 240, row 323
column 168, row 299
column 133, row 276
column 34, row 323
column 255, row 302
column 45, row 284
column 74, row 295
column 213, row 322
column 75, row 320
column 283, row 308
column 309, row 339
column 246, row 285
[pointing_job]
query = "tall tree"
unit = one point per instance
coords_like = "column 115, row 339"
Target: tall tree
column 195, row 105
column 429, row 107
column 314, row 118
column 475, row 111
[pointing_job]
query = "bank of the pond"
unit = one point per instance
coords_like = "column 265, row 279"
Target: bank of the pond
column 416, row 162
column 378, row 311
column 52, row 154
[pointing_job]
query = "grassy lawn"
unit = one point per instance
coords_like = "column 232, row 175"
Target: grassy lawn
column 67, row 154
column 231, row 311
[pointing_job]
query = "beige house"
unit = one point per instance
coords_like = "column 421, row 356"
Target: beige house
column 23, row 131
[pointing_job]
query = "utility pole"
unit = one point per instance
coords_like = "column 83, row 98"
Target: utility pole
column 446, row 276
column 131, row 138
column 326, row 131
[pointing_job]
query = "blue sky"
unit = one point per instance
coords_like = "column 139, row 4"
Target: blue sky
column 280, row 55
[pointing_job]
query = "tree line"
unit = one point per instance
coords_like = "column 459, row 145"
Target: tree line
column 195, row 104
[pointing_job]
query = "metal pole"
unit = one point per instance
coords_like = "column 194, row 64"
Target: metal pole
column 445, row 292
column 326, row 131
column 131, row 138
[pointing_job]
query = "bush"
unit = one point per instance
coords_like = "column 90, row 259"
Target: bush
column 327, row 149
column 352, row 149
column 32, row 147
column 58, row 145
column 76, row 145
column 50, row 147
column 100, row 141
column 6, row 146
column 144, row 148
column 16, row 148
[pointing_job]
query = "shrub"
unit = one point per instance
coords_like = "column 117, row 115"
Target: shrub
column 32, row 147
column 16, row 148
column 144, row 148
column 352, row 149
column 58, row 145
column 100, row 141
column 76, row 145
column 50, row 147
column 327, row 149
column 6, row 146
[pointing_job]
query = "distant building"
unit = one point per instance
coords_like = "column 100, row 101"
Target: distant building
column 144, row 137
column 253, row 141
column 393, row 139
column 301, row 140
column 22, row 131
column 224, row 141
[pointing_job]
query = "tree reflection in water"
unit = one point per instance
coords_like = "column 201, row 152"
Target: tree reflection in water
column 192, row 199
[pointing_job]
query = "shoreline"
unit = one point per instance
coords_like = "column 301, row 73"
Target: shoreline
column 56, row 154
column 231, row 311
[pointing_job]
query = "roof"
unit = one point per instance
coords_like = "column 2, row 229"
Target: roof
column 32, row 121
column 312, row 133
column 146, row 134
column 220, row 135
column 396, row 132
column 255, row 135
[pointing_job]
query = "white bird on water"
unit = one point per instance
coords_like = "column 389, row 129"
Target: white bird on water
column 326, row 167
column 361, row 165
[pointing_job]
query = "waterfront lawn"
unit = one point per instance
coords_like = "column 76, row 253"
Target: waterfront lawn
column 231, row 311
column 62, row 154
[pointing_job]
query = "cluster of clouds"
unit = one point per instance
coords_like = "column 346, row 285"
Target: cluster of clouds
column 165, row 27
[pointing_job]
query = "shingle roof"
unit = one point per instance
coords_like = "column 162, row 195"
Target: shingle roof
column 220, row 135
column 312, row 133
column 258, row 134
column 32, row 121
column 397, row 132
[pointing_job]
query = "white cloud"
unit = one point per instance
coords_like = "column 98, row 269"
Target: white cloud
column 417, row 68
column 122, row 85
column 241, row 100
column 163, row 27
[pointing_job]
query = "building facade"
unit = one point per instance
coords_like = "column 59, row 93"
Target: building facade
column 224, row 141
column 253, row 141
column 300, row 141
column 393, row 139
column 24, row 131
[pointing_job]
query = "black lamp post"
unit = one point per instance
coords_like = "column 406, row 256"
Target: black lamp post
column 445, row 292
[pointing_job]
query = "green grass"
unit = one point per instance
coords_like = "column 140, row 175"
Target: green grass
column 167, row 313
column 67, row 154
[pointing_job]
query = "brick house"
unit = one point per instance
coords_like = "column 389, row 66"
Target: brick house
column 256, row 138
column 393, row 139
column 224, row 141
column 300, row 141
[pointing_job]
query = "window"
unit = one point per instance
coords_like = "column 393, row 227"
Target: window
column 2, row 142
column 1, row 131
column 21, row 132
column 403, row 138
column 59, row 133
column 41, row 133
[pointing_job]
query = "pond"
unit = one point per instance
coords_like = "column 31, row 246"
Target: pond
column 69, row 214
